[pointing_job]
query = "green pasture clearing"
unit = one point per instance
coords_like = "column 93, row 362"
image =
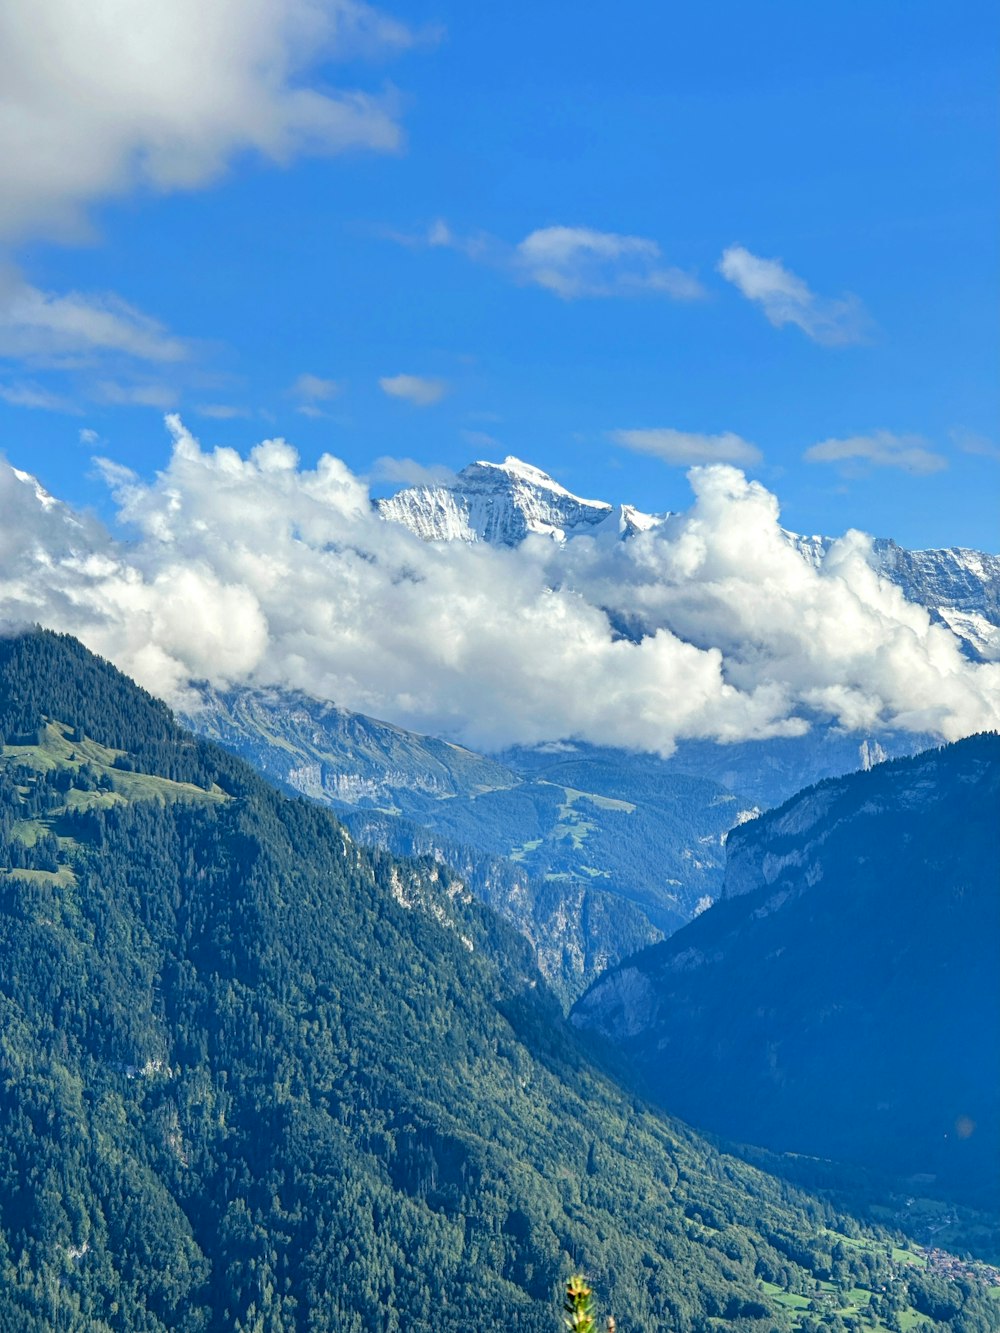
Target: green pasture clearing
column 57, row 751
column 525, row 849
column 63, row 878
column 573, row 795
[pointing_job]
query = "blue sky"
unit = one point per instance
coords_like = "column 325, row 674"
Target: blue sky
column 612, row 241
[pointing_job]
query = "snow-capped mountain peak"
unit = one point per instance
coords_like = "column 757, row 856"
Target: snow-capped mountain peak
column 500, row 503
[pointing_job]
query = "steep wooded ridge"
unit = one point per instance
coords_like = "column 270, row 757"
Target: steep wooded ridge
column 843, row 998
column 255, row 1077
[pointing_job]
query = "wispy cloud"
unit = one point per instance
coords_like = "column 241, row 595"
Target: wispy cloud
column 47, row 328
column 221, row 411
column 88, row 114
column 479, row 246
column 34, row 396
column 419, row 390
column 481, row 439
column 160, row 396
column 786, row 299
column 314, row 388
column 882, row 448
column 408, row 472
column 972, row 442
column 310, row 391
column 578, row 261
column 570, row 262
column 686, row 449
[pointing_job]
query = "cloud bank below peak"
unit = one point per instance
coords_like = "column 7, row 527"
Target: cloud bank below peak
column 256, row 569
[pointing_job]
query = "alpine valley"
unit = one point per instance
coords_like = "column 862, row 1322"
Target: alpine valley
column 255, row 1076
column 312, row 1022
column 590, row 851
column 499, row 667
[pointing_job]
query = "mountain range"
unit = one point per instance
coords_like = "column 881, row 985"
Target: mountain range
column 591, row 851
column 253, row 1076
column 503, row 503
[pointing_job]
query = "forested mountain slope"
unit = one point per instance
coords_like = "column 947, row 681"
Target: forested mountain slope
column 843, row 998
column 255, row 1077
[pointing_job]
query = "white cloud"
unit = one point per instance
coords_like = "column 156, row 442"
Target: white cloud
column 257, row 569
column 416, row 389
column 570, row 262
column 51, row 329
column 786, row 299
column 481, row 439
column 221, row 411
column 104, row 98
column 34, row 396
column 972, row 442
column 879, row 449
column 684, row 449
column 159, row 396
column 89, row 436
column 408, row 472
column 313, row 389
column 578, row 261
column 479, row 246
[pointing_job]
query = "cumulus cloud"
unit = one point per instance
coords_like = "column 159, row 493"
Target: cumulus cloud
column 685, row 449
column 419, row 390
column 570, row 262
column 786, row 299
column 256, row 569
column 879, row 449
column 98, row 103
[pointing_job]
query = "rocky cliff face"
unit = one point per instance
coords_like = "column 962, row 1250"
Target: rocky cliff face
column 336, row 756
